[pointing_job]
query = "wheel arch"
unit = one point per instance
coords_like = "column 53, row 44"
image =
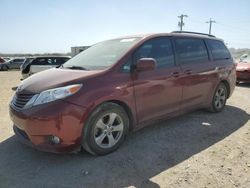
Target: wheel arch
column 6, row 67
column 127, row 109
column 225, row 82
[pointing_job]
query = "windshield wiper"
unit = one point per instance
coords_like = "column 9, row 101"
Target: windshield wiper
column 76, row 68
column 59, row 66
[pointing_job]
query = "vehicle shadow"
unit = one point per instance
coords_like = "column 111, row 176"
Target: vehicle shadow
column 244, row 84
column 144, row 154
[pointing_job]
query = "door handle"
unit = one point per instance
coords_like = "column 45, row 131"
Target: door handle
column 188, row 72
column 175, row 74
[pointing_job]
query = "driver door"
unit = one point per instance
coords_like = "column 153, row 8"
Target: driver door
column 157, row 92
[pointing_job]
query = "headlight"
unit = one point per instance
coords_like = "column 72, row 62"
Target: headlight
column 53, row 94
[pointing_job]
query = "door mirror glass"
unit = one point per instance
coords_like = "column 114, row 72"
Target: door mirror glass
column 145, row 64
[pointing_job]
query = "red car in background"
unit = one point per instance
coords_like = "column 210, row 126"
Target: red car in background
column 243, row 69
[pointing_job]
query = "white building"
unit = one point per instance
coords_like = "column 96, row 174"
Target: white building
column 77, row 49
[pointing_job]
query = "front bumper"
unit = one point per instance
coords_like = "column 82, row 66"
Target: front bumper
column 36, row 125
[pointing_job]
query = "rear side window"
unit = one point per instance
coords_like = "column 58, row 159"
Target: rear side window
column 39, row 61
column 59, row 61
column 48, row 61
column 18, row 60
column 65, row 59
column 218, row 50
column 160, row 49
column 191, row 50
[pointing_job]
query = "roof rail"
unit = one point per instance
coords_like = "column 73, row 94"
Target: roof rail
column 189, row 32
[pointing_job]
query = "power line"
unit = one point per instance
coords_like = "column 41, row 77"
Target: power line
column 181, row 23
column 210, row 25
column 233, row 27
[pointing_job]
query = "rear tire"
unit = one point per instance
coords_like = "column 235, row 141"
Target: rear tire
column 5, row 68
column 219, row 99
column 105, row 129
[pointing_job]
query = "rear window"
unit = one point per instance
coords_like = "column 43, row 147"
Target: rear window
column 218, row 50
column 191, row 50
column 18, row 60
column 39, row 61
column 49, row 61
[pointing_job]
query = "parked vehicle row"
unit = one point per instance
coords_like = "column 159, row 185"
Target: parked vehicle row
column 96, row 98
column 31, row 65
column 14, row 63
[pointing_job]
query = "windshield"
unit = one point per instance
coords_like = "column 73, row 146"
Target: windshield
column 246, row 59
column 101, row 55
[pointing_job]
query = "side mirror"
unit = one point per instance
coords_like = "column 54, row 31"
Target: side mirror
column 146, row 64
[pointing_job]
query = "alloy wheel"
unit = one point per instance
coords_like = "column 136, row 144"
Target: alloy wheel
column 108, row 130
column 220, row 98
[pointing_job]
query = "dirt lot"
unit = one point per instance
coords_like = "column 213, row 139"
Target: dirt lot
column 199, row 149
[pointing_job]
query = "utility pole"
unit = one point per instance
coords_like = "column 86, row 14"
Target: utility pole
column 210, row 25
column 181, row 23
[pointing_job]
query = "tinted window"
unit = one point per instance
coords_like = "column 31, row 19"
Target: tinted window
column 218, row 50
column 59, row 61
column 39, row 61
column 160, row 49
column 18, row 60
column 65, row 59
column 191, row 50
column 47, row 61
column 50, row 61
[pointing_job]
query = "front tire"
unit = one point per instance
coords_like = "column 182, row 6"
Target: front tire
column 105, row 129
column 219, row 98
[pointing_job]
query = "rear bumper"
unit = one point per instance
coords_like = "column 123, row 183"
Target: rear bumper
column 34, row 127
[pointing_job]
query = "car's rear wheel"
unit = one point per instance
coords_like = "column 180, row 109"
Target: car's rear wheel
column 105, row 129
column 219, row 98
column 4, row 68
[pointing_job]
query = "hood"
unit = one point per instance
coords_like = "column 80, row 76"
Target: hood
column 53, row 78
column 243, row 66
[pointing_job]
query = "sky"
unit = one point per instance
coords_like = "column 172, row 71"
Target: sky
column 47, row 26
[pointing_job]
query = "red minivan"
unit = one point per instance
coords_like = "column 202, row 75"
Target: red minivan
column 96, row 98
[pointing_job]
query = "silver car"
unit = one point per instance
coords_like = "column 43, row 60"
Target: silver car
column 32, row 66
column 14, row 63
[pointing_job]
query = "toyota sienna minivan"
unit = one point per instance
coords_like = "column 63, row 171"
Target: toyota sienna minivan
column 114, row 87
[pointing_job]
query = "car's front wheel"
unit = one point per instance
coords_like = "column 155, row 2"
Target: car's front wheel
column 105, row 129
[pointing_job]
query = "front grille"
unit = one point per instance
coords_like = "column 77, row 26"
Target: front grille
column 20, row 100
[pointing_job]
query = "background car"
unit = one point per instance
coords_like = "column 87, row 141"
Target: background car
column 14, row 63
column 34, row 65
column 6, row 58
column 2, row 60
column 243, row 69
column 26, row 62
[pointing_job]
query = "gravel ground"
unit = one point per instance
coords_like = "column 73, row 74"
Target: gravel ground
column 198, row 149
